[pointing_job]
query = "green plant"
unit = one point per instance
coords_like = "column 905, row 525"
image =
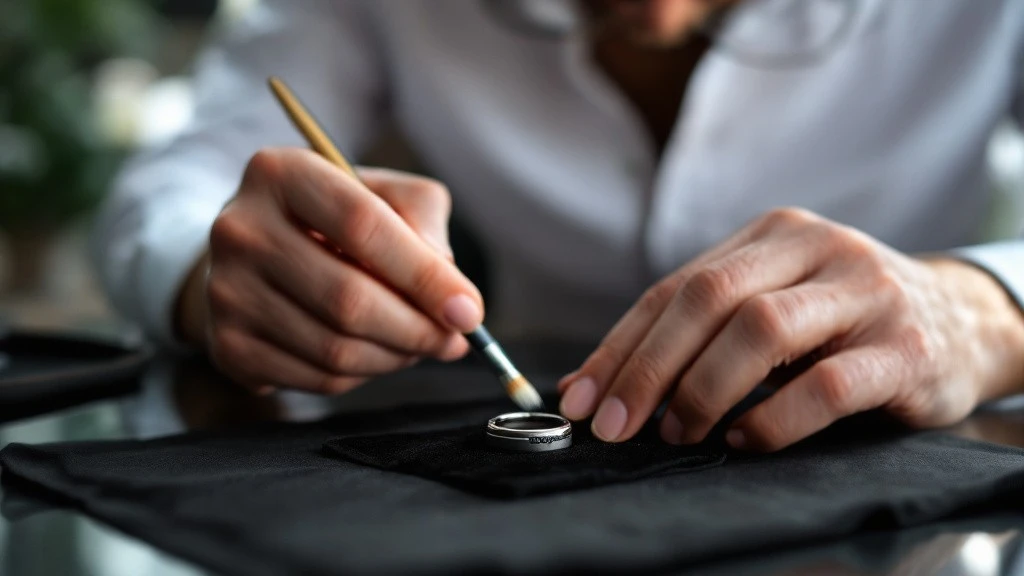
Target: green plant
column 54, row 163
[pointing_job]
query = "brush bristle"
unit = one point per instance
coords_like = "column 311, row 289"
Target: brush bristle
column 525, row 395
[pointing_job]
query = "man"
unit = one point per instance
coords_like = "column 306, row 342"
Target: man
column 629, row 180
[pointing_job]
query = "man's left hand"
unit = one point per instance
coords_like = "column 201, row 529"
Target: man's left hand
column 924, row 339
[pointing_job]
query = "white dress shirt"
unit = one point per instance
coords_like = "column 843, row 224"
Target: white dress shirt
column 554, row 170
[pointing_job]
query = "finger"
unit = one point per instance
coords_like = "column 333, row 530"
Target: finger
column 851, row 381
column 256, row 364
column 766, row 331
column 424, row 204
column 368, row 230
column 272, row 317
column 352, row 302
column 694, row 315
column 566, row 381
column 583, row 388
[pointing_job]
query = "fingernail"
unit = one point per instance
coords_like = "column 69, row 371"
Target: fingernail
column 462, row 313
column 610, row 419
column 578, row 401
column 671, row 428
column 736, row 438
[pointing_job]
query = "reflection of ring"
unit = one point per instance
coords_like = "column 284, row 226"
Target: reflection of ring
column 529, row 432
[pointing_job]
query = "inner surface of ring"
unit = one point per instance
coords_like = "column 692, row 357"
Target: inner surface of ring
column 531, row 423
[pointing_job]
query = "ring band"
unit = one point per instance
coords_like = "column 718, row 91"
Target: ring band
column 529, row 432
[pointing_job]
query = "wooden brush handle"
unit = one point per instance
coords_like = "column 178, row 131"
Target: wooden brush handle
column 308, row 126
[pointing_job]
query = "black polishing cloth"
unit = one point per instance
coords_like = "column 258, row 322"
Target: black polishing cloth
column 462, row 459
column 41, row 372
column 267, row 500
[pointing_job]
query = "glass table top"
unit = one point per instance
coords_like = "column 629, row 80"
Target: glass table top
column 179, row 394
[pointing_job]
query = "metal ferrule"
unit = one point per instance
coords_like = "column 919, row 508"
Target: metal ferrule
column 500, row 362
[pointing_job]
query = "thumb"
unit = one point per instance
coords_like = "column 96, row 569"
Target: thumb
column 424, row 204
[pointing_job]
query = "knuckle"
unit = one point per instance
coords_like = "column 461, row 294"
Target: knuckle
column 607, row 357
column 765, row 323
column 427, row 276
column 434, row 193
column 830, row 238
column 348, row 305
column 710, row 289
column 695, row 400
column 323, row 384
column 232, row 234
column 892, row 291
column 835, row 387
column 888, row 282
column 916, row 345
column 653, row 300
column 266, row 161
column 229, row 347
column 361, row 223
column 646, row 375
column 855, row 245
column 892, row 288
column 221, row 296
column 428, row 341
column 860, row 248
column 788, row 217
column 337, row 354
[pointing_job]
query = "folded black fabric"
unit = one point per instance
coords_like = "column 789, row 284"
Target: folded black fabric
column 43, row 371
column 266, row 499
column 462, row 459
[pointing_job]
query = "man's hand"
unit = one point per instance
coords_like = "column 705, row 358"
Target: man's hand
column 316, row 281
column 925, row 340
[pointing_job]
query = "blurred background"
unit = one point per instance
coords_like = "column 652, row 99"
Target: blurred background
column 83, row 83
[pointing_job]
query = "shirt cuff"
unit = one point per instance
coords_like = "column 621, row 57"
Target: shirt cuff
column 175, row 236
column 1003, row 260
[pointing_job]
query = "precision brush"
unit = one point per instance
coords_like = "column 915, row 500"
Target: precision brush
column 516, row 385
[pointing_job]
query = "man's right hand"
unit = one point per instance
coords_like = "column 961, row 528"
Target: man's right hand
column 316, row 281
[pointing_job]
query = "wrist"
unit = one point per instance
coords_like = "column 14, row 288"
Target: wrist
column 190, row 310
column 993, row 327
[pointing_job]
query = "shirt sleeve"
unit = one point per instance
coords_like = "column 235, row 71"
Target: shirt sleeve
column 1005, row 260
column 155, row 223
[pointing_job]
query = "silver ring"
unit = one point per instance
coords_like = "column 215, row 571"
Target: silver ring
column 529, row 432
